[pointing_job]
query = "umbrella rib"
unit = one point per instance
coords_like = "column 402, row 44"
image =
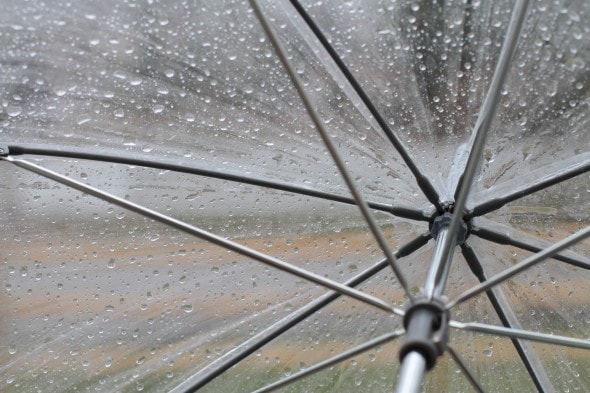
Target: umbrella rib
column 360, row 201
column 520, row 192
column 520, row 333
column 477, row 269
column 480, row 131
column 470, row 377
column 332, row 361
column 500, row 238
column 248, row 347
column 399, row 211
column 421, row 178
column 521, row 266
column 203, row 234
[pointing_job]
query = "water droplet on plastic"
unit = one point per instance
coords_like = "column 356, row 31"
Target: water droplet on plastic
column 187, row 308
column 11, row 349
column 13, row 110
column 111, row 263
column 83, row 119
column 119, row 113
column 157, row 108
column 190, row 117
column 169, row 73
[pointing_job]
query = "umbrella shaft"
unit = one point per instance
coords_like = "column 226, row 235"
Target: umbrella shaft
column 439, row 266
column 412, row 373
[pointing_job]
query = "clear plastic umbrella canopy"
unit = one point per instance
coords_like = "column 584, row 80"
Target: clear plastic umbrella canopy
column 319, row 196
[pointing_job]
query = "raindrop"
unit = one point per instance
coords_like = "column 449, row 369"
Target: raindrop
column 11, row 349
column 169, row 73
column 190, row 117
column 187, row 308
column 10, row 379
column 83, row 119
column 111, row 263
column 141, row 360
column 90, row 16
column 157, row 108
column 13, row 110
column 119, row 113
column 109, row 308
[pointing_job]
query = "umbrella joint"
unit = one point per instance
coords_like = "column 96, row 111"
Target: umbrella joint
column 426, row 322
column 444, row 221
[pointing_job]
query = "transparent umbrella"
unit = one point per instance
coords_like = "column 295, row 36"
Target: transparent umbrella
column 318, row 196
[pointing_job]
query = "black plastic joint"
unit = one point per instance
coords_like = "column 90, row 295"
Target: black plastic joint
column 443, row 221
column 427, row 330
column 4, row 150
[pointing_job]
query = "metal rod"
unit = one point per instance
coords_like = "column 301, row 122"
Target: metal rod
column 482, row 127
column 411, row 373
column 331, row 361
column 500, row 238
column 468, row 374
column 521, row 190
column 519, row 267
column 421, row 178
column 524, row 334
column 438, row 262
column 201, row 233
column 254, row 343
column 24, row 149
column 527, row 355
column 358, row 197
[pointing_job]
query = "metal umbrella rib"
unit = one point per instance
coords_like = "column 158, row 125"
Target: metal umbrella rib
column 421, row 178
column 521, row 190
column 360, row 201
column 332, row 361
column 500, row 238
column 192, row 230
column 519, row 333
column 21, row 149
column 250, row 346
column 502, row 308
column 468, row 374
column 521, row 266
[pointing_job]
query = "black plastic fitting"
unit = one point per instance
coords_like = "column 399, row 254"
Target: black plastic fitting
column 427, row 330
column 444, row 220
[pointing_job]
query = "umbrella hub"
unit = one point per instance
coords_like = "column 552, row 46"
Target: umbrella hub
column 427, row 329
column 443, row 221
